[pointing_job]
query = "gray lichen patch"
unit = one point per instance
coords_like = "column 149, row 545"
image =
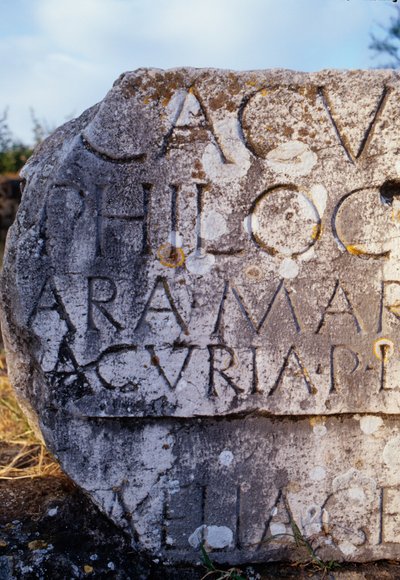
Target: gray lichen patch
column 201, row 302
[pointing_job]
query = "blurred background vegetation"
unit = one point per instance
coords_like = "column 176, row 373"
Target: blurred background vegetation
column 385, row 44
column 14, row 153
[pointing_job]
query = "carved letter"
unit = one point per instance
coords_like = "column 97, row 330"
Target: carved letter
column 254, row 325
column 97, row 297
column 390, row 515
column 50, row 299
column 162, row 285
column 338, row 304
column 295, row 368
column 282, row 514
column 191, row 117
column 354, row 151
column 142, row 217
column 340, row 353
column 178, row 522
column 156, row 362
column 212, row 348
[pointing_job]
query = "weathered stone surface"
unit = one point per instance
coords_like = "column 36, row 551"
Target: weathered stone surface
column 201, row 309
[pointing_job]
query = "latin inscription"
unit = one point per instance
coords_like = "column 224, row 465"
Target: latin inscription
column 275, row 519
column 195, row 293
column 316, row 357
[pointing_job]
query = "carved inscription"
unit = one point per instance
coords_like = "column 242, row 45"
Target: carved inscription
column 381, row 516
column 103, row 216
column 260, row 362
column 206, row 289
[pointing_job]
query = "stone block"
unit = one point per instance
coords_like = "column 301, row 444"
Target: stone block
column 201, row 305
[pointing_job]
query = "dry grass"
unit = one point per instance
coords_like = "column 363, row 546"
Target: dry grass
column 21, row 454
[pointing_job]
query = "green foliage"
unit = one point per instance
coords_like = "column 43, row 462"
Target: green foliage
column 388, row 44
column 217, row 574
column 302, row 542
column 13, row 153
column 40, row 128
column 12, row 159
column 312, row 561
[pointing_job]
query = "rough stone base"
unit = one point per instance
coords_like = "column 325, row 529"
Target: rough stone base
column 243, row 485
column 50, row 529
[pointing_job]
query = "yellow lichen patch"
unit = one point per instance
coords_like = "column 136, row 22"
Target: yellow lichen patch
column 88, row 569
column 394, row 308
column 170, row 256
column 355, row 250
column 317, row 421
column 251, row 83
column 264, row 92
column 383, row 349
column 146, row 100
column 395, row 215
column 37, row 545
column 316, row 232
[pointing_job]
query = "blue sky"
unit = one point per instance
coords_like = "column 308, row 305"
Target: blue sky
column 61, row 56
